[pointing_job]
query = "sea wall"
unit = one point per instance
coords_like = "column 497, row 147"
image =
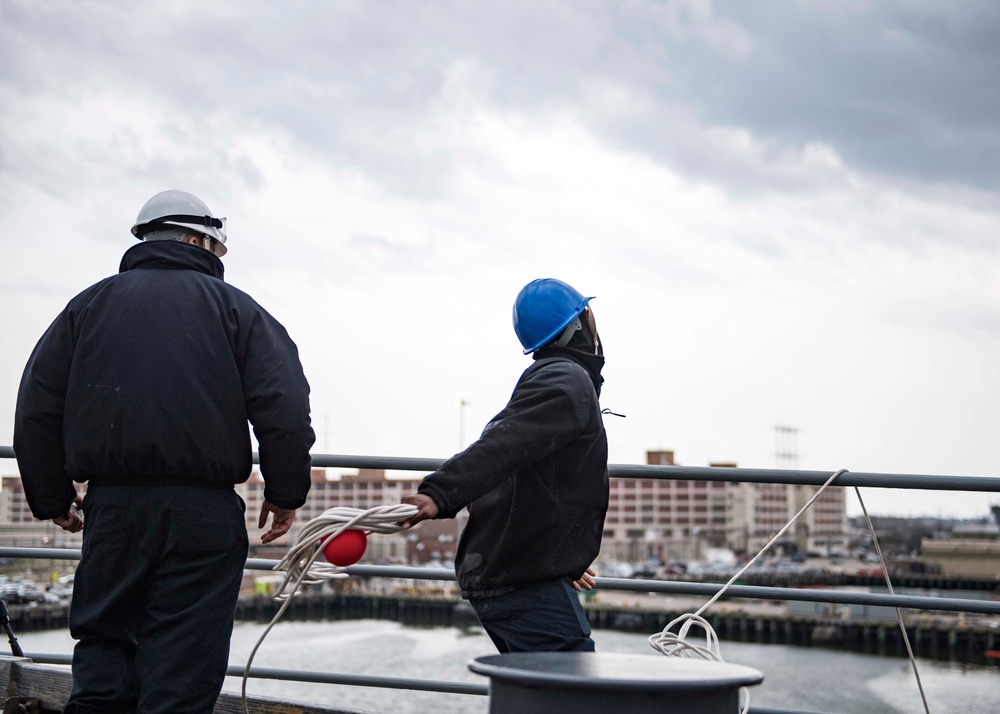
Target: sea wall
column 950, row 639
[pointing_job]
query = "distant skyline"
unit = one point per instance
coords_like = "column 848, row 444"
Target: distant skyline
column 788, row 211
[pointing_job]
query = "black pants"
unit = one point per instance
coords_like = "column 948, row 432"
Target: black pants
column 541, row 617
column 154, row 598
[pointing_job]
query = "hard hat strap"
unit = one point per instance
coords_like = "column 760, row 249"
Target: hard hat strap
column 568, row 333
column 207, row 221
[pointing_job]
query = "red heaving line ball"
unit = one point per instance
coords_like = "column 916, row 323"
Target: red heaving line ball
column 347, row 548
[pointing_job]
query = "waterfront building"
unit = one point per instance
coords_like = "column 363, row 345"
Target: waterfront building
column 669, row 520
column 18, row 527
column 972, row 550
column 364, row 489
column 13, row 506
column 666, row 520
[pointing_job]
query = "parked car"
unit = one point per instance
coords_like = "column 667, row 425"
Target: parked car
column 615, row 569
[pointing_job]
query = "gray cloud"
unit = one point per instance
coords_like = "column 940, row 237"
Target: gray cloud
column 897, row 88
column 902, row 89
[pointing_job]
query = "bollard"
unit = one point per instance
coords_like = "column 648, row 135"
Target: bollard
column 598, row 683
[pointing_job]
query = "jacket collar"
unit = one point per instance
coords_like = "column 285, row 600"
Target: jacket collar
column 171, row 255
column 592, row 363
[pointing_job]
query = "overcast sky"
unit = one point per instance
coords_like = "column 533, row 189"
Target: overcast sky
column 788, row 210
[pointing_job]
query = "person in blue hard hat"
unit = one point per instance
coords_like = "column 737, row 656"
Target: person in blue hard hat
column 535, row 483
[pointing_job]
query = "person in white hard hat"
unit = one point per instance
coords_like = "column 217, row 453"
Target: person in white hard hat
column 180, row 216
column 142, row 388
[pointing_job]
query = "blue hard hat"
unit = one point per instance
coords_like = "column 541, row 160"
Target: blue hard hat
column 543, row 309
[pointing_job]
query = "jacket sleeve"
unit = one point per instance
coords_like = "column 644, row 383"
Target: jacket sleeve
column 38, row 422
column 543, row 415
column 277, row 399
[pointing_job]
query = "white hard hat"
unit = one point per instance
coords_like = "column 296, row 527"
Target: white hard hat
column 179, row 209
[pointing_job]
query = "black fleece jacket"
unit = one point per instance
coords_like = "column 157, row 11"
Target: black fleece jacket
column 536, row 481
column 150, row 376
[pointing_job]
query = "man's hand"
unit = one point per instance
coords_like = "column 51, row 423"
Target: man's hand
column 426, row 508
column 280, row 523
column 71, row 520
column 585, row 581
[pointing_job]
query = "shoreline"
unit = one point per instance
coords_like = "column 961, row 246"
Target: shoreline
column 952, row 637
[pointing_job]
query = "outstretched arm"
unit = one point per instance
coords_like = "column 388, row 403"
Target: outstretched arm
column 541, row 417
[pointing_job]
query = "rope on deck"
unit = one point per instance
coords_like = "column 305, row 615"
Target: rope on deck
column 675, row 644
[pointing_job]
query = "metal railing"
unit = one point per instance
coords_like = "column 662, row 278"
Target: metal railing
column 724, row 474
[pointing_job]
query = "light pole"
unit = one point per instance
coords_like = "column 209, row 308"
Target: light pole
column 461, row 423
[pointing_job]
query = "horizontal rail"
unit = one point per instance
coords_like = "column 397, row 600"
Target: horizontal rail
column 927, row 482
column 42, row 553
column 296, row 675
column 924, row 482
column 754, row 592
column 704, row 473
column 674, row 587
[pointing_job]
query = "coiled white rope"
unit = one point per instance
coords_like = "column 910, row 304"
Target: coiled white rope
column 300, row 565
column 674, row 644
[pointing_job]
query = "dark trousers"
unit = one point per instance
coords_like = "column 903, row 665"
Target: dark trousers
column 154, row 598
column 541, row 617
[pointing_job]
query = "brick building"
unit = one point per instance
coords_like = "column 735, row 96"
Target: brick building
column 20, row 529
column 678, row 519
column 433, row 541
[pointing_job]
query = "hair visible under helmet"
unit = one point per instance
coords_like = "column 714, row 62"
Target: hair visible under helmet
column 548, row 311
column 173, row 215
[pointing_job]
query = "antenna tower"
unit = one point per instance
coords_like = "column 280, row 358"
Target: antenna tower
column 786, row 450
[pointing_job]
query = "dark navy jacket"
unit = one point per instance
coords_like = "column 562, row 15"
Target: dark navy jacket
column 150, row 376
column 536, row 483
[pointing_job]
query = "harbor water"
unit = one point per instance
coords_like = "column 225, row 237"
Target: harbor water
column 794, row 677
